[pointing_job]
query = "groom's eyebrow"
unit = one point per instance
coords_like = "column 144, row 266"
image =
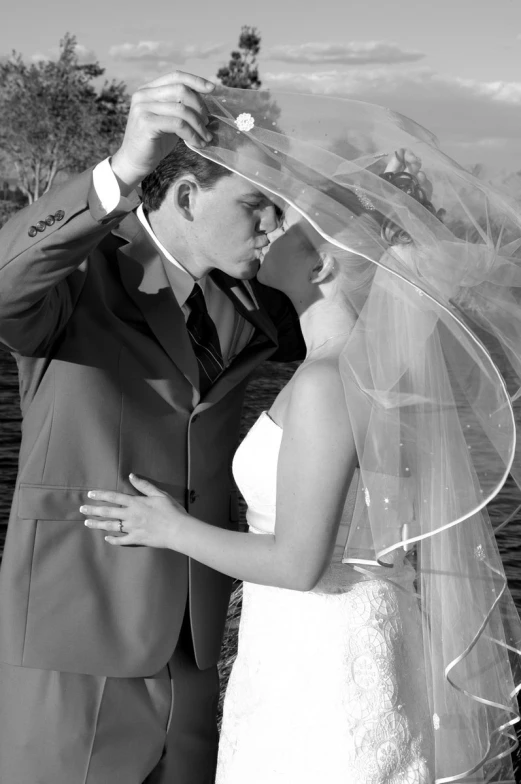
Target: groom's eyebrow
column 258, row 196
column 267, row 198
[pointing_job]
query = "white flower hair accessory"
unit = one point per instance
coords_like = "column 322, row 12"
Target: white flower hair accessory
column 245, row 122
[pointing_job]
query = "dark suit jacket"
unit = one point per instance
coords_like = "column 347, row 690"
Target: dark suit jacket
column 109, row 385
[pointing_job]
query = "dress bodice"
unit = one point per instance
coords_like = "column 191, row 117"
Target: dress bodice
column 255, row 472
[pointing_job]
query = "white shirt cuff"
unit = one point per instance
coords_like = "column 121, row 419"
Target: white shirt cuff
column 105, row 197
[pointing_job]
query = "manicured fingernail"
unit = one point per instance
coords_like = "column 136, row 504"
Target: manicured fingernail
column 91, row 494
column 87, row 523
column 83, row 509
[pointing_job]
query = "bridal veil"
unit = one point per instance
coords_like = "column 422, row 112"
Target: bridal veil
column 432, row 371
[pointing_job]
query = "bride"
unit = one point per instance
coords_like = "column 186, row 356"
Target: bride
column 378, row 642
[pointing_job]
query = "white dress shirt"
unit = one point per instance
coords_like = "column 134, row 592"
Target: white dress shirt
column 233, row 331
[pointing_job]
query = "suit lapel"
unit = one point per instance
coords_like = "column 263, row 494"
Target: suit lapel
column 242, row 295
column 149, row 280
column 144, row 276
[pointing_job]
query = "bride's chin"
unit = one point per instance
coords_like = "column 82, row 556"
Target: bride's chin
column 262, row 276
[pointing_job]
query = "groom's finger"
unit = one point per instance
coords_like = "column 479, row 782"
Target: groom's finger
column 186, row 122
column 196, row 83
column 174, row 95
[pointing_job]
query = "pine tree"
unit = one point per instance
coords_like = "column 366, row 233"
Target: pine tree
column 242, row 70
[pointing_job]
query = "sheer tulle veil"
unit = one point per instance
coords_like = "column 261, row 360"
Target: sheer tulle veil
column 431, row 372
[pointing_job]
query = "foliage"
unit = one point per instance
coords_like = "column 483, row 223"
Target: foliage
column 242, row 70
column 53, row 119
column 11, row 200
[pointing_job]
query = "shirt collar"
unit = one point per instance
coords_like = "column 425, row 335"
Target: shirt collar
column 185, row 282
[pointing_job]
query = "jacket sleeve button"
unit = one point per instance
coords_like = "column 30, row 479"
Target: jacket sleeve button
column 32, row 231
column 59, row 215
column 41, row 226
column 49, row 220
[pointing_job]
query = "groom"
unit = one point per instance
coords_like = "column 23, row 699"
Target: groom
column 135, row 326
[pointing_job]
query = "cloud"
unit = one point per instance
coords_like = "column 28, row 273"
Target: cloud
column 507, row 92
column 85, row 55
column 352, row 53
column 464, row 114
column 159, row 52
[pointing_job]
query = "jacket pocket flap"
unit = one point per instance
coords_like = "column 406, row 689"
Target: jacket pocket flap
column 49, row 502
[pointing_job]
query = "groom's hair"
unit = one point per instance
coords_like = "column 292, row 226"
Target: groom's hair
column 176, row 164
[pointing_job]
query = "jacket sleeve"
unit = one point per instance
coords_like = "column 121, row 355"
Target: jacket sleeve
column 43, row 263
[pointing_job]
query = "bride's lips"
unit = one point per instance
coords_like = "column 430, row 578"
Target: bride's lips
column 260, row 250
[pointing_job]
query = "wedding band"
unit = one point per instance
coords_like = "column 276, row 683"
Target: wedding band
column 121, row 529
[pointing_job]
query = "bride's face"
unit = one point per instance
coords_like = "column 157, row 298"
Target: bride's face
column 290, row 255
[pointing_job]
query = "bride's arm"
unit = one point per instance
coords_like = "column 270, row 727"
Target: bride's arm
column 316, row 462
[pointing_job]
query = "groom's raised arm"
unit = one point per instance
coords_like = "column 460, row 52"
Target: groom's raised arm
column 43, row 249
column 43, row 252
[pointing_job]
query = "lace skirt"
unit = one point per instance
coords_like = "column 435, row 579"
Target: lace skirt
column 328, row 686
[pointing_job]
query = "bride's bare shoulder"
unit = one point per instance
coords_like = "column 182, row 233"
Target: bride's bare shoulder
column 318, row 384
column 316, row 390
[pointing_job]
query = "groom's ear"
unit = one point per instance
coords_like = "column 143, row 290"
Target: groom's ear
column 323, row 268
column 182, row 196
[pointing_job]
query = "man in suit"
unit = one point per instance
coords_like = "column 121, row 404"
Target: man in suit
column 135, row 327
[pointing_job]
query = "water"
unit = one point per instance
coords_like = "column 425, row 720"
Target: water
column 265, row 384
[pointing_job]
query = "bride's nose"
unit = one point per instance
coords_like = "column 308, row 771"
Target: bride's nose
column 269, row 220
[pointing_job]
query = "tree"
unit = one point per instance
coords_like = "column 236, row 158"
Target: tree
column 242, row 70
column 53, row 119
column 242, row 73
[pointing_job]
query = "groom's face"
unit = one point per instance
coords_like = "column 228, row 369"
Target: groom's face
column 231, row 224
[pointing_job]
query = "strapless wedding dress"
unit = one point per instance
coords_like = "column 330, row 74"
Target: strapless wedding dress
column 327, row 686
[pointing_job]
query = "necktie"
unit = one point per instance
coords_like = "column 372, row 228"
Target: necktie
column 205, row 340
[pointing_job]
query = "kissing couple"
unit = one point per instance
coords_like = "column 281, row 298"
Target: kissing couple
column 379, row 643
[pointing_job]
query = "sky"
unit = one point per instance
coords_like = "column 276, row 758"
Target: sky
column 452, row 65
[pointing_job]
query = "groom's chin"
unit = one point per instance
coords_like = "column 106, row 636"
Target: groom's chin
column 249, row 271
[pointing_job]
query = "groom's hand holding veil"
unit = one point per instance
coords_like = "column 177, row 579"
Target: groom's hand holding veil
column 161, row 113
